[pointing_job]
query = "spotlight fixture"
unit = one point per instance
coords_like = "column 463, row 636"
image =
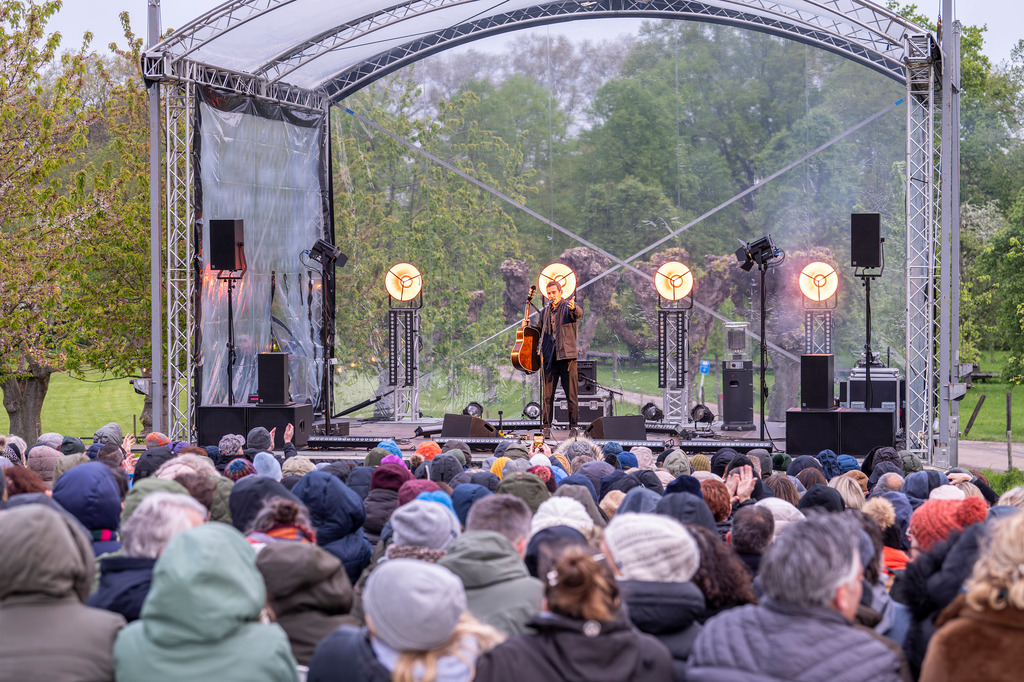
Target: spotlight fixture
column 324, row 252
column 673, row 281
column 758, row 252
column 560, row 273
column 532, row 410
column 819, row 281
column 403, row 282
column 652, row 413
column 474, row 409
column 700, row 414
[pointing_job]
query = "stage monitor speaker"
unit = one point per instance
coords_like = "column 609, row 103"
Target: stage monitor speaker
column 737, row 395
column 863, row 430
column 280, row 416
column 466, row 426
column 630, row 427
column 866, row 240
column 817, row 372
column 272, row 379
column 586, row 370
column 227, row 245
column 808, row 432
column 216, row 421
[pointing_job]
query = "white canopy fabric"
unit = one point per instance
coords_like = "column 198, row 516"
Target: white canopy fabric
column 334, row 48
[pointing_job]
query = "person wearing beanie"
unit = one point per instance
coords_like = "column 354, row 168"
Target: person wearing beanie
column 582, row 633
column 528, row 487
column 297, row 466
column 454, row 444
column 627, row 460
column 231, row 446
column 611, row 448
column 781, row 462
column 416, row 620
column 562, row 511
column 73, row 446
column 261, row 440
column 822, row 498
column 654, row 558
column 375, row 456
column 498, row 465
column 769, row 641
column 391, row 459
column 440, row 497
column 515, row 466
column 266, row 465
column 239, row 468
column 934, row 520
column 428, row 450
column 425, row 524
column 413, row 487
column 391, row 446
column 699, row 462
column 155, row 439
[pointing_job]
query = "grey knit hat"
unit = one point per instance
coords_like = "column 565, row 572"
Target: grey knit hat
column 230, row 444
column 413, row 605
column 422, row 523
column 259, row 439
column 652, row 548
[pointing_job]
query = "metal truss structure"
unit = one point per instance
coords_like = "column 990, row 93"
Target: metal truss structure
column 403, row 362
column 817, row 331
column 673, row 353
column 310, row 55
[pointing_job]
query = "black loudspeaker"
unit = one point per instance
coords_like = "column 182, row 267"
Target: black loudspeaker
column 808, row 432
column 280, row 416
column 863, row 430
column 216, row 421
column 816, row 376
column 227, row 245
column 618, row 428
column 466, row 426
column 272, row 379
column 866, row 240
column 586, row 370
column 737, row 395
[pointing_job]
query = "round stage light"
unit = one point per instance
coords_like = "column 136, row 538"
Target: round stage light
column 700, row 414
column 673, row 281
column 532, row 410
column 560, row 273
column 474, row 409
column 403, row 282
column 652, row 413
column 819, row 281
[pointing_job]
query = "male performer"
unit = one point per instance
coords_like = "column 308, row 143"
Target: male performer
column 558, row 347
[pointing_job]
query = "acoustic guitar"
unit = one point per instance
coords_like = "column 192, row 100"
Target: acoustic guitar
column 526, row 352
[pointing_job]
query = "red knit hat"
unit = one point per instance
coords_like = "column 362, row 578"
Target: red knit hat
column 429, row 450
column 390, row 476
column 934, row 520
column 410, row 489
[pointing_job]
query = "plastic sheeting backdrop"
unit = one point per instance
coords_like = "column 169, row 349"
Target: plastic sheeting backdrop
column 262, row 165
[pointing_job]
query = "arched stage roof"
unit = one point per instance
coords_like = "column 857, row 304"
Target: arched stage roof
column 330, row 49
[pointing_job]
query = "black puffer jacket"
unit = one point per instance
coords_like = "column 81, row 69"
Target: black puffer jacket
column 380, row 504
column 669, row 611
column 781, row 642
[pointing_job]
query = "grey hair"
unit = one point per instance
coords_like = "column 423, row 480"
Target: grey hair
column 884, row 485
column 19, row 442
column 505, row 514
column 806, row 564
column 157, row 519
column 1013, row 497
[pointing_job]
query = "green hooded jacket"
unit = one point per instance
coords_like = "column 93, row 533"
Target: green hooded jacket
column 200, row 620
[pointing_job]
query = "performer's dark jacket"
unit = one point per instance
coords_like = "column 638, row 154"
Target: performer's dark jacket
column 565, row 330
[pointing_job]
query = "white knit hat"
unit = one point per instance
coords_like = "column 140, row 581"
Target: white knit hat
column 561, row 511
column 784, row 513
column 946, row 492
column 540, row 460
column 652, row 548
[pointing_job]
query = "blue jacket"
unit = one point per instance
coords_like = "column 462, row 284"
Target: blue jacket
column 89, row 492
column 124, row 584
column 338, row 515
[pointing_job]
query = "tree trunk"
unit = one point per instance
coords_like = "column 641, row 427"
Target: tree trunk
column 23, row 400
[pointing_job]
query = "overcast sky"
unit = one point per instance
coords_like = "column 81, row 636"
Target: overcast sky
column 100, row 17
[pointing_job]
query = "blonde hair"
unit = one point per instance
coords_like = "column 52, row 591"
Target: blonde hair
column 849, row 490
column 998, row 578
column 470, row 639
column 969, row 489
column 1013, row 497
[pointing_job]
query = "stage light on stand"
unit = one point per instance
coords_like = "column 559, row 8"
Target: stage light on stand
column 819, row 283
column 532, row 410
column 404, row 285
column 652, row 413
column 701, row 414
column 561, row 274
column 474, row 409
column 674, row 283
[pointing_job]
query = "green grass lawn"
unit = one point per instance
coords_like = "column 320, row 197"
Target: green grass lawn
column 78, row 408
column 991, row 421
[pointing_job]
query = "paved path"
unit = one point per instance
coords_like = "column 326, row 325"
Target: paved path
column 989, row 455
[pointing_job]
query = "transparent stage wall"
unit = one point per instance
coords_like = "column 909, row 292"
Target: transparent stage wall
column 619, row 132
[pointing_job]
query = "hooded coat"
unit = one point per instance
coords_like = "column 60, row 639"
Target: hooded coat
column 41, row 459
column 560, row 651
column 499, row 590
column 668, row 611
column 248, row 496
column 338, row 515
column 200, row 621
column 830, row 464
column 46, row 570
column 380, row 504
column 359, row 480
column 124, row 584
column 687, row 509
column 776, row 641
column 90, row 493
column 308, row 590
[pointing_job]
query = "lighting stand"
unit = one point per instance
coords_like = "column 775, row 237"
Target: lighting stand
column 231, row 279
column 403, row 355
column 763, row 267
column 866, row 278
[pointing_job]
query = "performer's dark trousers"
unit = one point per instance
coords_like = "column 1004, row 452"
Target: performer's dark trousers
column 563, row 371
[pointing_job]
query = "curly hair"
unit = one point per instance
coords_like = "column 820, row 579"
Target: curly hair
column 716, row 496
column 998, row 579
column 722, row 577
column 471, row 634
